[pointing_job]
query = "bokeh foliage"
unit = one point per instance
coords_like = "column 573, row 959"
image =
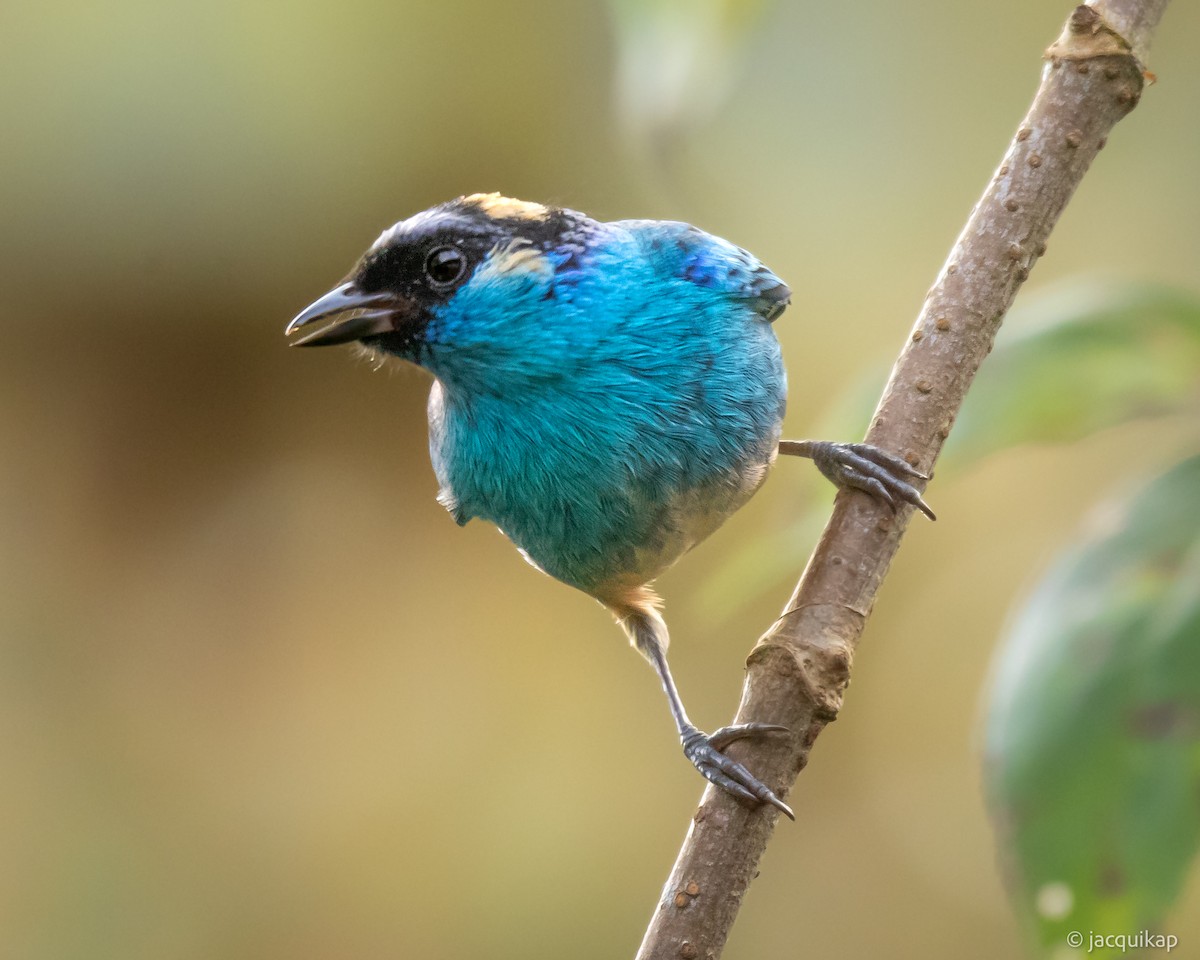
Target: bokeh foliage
column 1084, row 356
column 1093, row 729
column 1093, row 718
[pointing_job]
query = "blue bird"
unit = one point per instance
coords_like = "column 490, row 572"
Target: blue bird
column 607, row 394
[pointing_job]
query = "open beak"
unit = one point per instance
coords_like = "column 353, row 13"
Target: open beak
column 353, row 315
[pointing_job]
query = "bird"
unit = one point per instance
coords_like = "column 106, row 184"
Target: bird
column 606, row 393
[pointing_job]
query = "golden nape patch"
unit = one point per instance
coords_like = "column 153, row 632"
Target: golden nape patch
column 506, row 208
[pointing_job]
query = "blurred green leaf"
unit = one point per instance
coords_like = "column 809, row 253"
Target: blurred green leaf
column 1093, row 724
column 764, row 562
column 1074, row 359
column 677, row 60
column 1085, row 356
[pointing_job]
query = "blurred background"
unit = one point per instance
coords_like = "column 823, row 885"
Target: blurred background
column 260, row 698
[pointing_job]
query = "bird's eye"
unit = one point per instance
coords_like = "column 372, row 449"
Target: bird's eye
column 445, row 266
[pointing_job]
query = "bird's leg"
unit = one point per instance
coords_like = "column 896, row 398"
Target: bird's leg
column 861, row 466
column 648, row 632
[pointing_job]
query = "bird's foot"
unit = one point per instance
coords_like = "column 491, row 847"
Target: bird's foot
column 861, row 466
column 705, row 752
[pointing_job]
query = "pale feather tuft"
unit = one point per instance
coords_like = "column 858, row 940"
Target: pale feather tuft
column 506, row 208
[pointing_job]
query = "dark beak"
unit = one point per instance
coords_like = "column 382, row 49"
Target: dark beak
column 354, row 315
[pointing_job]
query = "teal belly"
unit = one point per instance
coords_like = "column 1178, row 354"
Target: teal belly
column 599, row 508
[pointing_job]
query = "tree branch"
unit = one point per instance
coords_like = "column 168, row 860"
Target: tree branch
column 798, row 671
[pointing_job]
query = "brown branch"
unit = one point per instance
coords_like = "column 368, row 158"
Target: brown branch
column 798, row 671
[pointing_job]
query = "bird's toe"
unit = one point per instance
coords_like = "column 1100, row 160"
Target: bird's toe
column 705, row 753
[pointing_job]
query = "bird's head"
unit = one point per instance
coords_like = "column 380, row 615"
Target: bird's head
column 455, row 260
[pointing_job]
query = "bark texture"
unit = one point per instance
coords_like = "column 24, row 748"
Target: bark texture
column 798, row 671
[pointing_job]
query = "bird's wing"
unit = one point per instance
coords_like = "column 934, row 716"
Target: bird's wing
column 710, row 262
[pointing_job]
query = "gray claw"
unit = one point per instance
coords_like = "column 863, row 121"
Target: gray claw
column 705, row 753
column 861, row 466
column 888, row 460
column 722, row 738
